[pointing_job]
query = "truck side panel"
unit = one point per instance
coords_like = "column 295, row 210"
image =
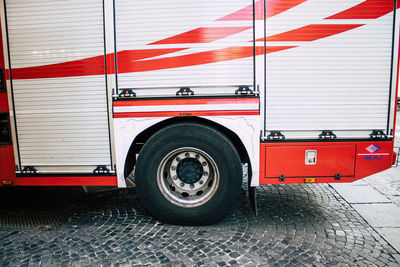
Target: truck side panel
column 337, row 75
column 332, row 118
column 163, row 46
column 7, row 166
column 286, row 162
column 61, row 120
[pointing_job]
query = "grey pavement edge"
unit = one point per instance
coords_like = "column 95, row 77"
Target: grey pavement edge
column 377, row 199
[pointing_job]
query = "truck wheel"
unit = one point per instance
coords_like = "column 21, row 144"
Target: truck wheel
column 188, row 173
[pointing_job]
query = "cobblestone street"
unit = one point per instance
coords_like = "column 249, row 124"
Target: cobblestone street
column 297, row 225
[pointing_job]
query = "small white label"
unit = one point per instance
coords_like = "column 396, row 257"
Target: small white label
column 311, row 157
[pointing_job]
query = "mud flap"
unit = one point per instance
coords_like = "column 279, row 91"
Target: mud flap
column 251, row 189
column 253, row 198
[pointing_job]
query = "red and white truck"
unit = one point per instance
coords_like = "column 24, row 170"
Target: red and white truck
column 183, row 97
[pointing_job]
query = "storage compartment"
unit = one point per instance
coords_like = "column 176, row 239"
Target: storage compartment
column 335, row 76
column 309, row 161
column 60, row 110
column 165, row 45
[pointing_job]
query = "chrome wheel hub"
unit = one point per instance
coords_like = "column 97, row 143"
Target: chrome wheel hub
column 188, row 177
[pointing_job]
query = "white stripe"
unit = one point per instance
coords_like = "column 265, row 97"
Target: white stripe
column 186, row 108
column 377, row 154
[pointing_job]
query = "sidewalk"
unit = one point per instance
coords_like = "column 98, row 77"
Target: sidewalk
column 377, row 199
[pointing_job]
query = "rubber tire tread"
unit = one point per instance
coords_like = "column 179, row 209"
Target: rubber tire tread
column 209, row 140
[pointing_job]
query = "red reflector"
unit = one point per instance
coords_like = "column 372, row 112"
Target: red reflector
column 309, row 180
column 7, row 182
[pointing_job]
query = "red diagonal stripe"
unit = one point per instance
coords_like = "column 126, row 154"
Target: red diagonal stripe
column 132, row 55
column 311, row 32
column 274, row 7
column 246, row 13
column 188, row 60
column 87, row 66
column 202, row 35
column 82, row 67
column 369, row 9
column 200, row 58
column 95, row 65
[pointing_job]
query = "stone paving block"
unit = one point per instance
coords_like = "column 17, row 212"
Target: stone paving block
column 298, row 225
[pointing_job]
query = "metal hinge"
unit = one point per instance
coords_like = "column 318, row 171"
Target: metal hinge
column 244, row 90
column 184, row 91
column 327, row 134
column 276, row 135
column 378, row 134
column 127, row 93
column 101, row 169
column 28, row 170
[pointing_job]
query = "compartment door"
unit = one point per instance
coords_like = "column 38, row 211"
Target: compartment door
column 310, row 161
column 166, row 45
column 336, row 69
column 56, row 52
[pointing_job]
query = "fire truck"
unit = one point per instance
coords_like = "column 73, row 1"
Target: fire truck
column 182, row 98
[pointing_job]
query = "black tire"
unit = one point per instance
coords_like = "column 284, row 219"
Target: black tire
column 188, row 173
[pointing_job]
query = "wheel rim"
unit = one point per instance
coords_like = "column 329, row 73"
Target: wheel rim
column 188, row 177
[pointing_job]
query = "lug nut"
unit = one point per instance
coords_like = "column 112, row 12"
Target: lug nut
column 174, row 177
column 191, row 186
column 204, row 163
column 173, row 168
column 182, row 184
column 178, row 159
column 187, row 155
column 201, row 182
column 197, row 156
column 205, row 173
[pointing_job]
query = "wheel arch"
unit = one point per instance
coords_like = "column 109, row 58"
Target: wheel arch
column 142, row 138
